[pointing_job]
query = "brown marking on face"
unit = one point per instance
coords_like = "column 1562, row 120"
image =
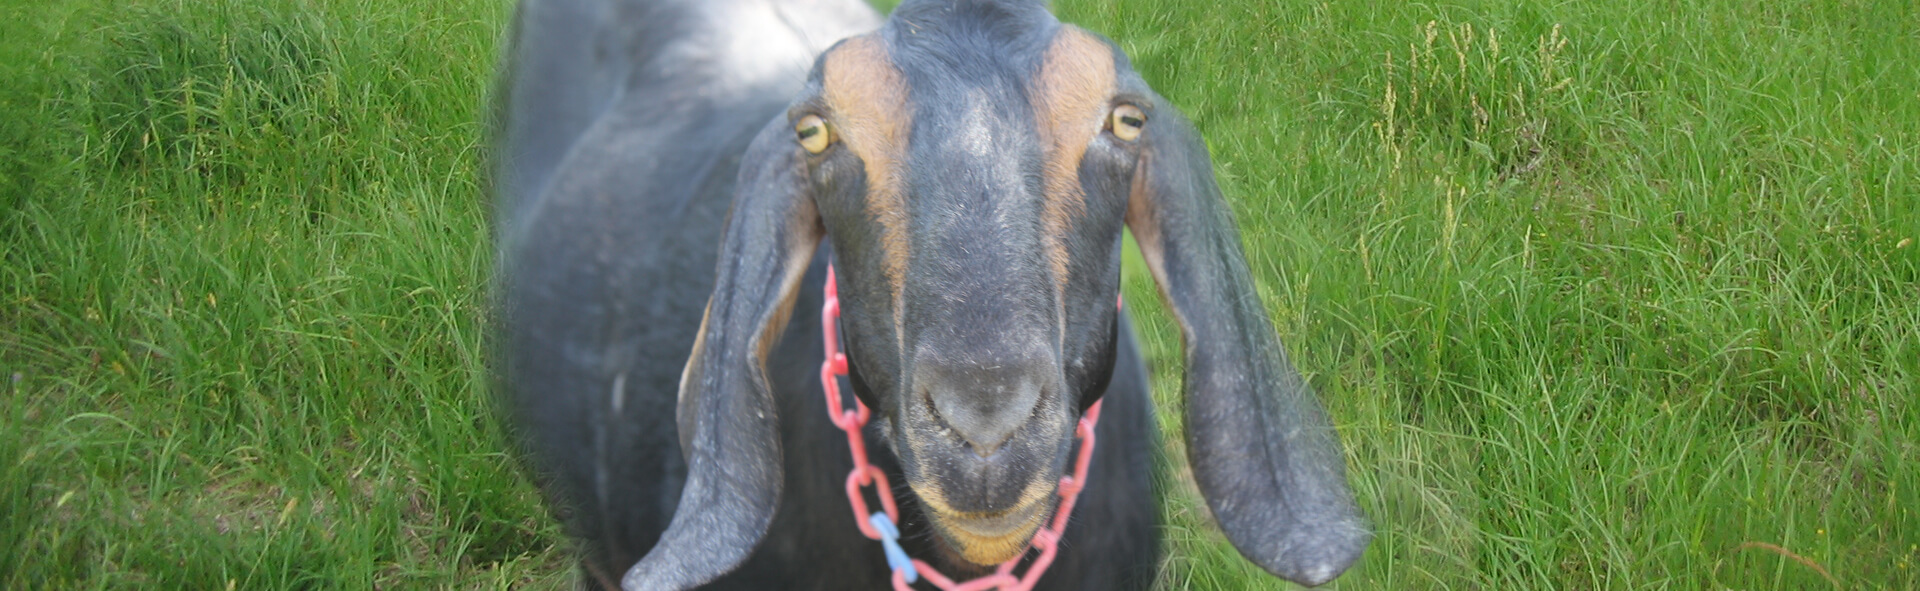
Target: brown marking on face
column 989, row 550
column 1071, row 94
column 868, row 99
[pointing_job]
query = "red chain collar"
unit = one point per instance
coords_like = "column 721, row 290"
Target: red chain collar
column 881, row 525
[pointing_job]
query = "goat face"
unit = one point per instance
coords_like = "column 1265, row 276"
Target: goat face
column 973, row 165
column 979, row 275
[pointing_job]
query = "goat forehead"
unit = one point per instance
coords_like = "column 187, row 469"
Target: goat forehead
column 982, row 126
column 971, row 157
column 973, row 179
column 972, row 142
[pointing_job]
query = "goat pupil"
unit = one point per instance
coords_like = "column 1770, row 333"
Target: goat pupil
column 809, row 132
column 1132, row 121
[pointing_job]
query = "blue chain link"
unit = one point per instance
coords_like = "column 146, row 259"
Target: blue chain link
column 890, row 539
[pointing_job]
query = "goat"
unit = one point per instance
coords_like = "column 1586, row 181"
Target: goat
column 970, row 166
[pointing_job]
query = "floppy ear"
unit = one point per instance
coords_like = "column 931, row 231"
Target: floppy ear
column 728, row 426
column 1263, row 451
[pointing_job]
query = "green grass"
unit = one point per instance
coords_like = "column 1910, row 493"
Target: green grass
column 1602, row 295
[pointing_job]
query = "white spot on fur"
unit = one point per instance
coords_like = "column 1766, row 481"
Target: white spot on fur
column 766, row 43
column 618, row 397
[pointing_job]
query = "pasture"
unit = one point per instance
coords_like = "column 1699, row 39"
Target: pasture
column 1602, row 295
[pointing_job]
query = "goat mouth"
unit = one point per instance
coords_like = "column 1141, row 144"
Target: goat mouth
column 990, row 538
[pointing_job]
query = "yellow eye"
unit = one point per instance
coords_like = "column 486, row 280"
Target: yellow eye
column 1128, row 121
column 813, row 134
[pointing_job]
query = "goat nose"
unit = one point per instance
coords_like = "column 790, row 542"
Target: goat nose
column 983, row 400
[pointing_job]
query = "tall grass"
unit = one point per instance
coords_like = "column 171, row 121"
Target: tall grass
column 1603, row 295
column 245, row 260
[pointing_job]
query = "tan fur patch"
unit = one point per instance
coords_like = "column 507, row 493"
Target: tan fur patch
column 1071, row 95
column 868, row 99
column 699, row 348
column 1143, row 220
column 804, row 237
column 989, row 550
column 805, row 231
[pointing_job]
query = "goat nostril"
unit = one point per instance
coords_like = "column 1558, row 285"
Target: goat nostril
column 982, row 422
column 979, row 396
column 982, row 449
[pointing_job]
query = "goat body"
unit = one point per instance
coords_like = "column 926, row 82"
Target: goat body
column 629, row 128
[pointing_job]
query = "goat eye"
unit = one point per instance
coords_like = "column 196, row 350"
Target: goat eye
column 813, row 134
column 1128, row 121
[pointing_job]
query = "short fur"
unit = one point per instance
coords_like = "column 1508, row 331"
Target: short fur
column 974, row 208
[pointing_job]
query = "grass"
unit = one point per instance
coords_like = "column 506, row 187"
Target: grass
column 1602, row 295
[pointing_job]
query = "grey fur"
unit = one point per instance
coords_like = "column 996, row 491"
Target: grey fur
column 647, row 172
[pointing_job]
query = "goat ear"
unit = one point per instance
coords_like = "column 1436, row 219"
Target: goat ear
column 1264, row 453
column 727, row 420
